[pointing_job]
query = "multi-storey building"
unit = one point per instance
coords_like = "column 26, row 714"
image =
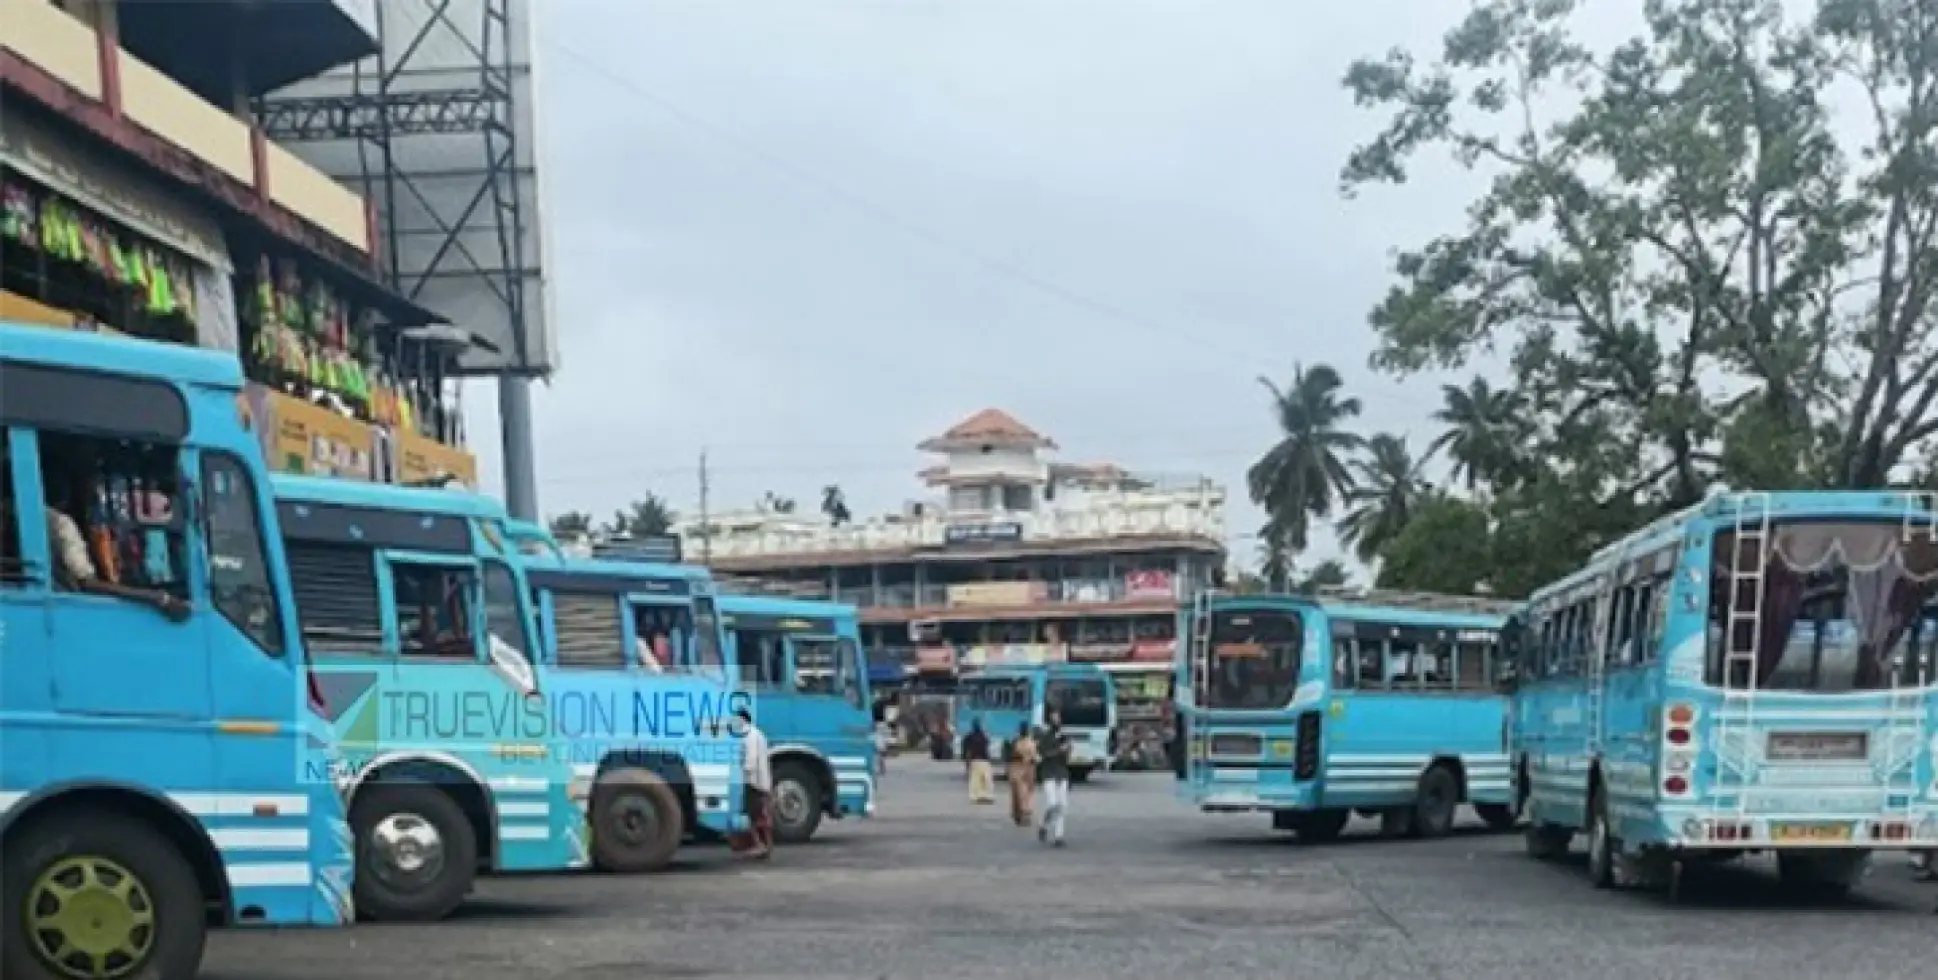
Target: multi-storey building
column 140, row 197
column 1017, row 560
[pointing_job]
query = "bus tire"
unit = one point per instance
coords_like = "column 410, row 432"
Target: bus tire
column 636, row 823
column 88, row 849
column 1604, row 848
column 1497, row 816
column 1547, row 842
column 1080, row 774
column 1322, row 826
column 1397, row 822
column 1435, row 802
column 799, row 801
column 417, row 855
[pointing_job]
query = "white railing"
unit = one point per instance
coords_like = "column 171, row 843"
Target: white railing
column 785, row 536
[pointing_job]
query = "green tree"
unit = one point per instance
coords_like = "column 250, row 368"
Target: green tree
column 1387, row 484
column 834, row 504
column 571, row 524
column 1447, row 547
column 647, row 517
column 1487, row 434
column 774, row 503
column 1675, row 218
column 1328, row 574
column 1305, row 471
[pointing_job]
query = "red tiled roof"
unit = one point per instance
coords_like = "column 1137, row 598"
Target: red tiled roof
column 993, row 426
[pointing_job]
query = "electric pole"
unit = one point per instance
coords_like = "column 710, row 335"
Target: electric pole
column 706, row 521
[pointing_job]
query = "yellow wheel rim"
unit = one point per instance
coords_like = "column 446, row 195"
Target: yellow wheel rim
column 90, row 918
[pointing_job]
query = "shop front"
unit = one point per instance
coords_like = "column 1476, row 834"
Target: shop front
column 345, row 379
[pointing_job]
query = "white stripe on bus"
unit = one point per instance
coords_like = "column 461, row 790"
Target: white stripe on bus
column 261, row 838
column 278, row 875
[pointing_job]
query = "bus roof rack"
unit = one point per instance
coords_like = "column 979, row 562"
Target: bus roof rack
column 1419, row 601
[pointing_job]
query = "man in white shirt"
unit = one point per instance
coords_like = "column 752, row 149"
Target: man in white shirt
column 759, row 774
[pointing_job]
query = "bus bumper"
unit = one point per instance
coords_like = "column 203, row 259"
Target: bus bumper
column 1242, row 791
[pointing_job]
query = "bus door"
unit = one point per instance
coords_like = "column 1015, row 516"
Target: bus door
column 760, row 658
column 830, row 689
column 125, row 499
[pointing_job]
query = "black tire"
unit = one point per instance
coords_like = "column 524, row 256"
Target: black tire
column 1397, row 823
column 1322, row 826
column 171, row 945
column 796, row 821
column 1604, row 848
column 1435, row 803
column 1080, row 774
column 388, row 892
column 636, row 822
column 1547, row 842
column 1497, row 816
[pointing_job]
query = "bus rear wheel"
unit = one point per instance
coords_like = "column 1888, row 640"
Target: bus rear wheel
column 98, row 895
column 1321, row 826
column 417, row 855
column 1435, row 802
column 636, row 824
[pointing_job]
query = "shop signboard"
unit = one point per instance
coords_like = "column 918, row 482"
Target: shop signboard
column 302, row 438
column 1099, row 652
column 1149, row 584
column 961, row 535
column 997, row 593
column 939, row 659
column 1153, row 651
column 421, row 460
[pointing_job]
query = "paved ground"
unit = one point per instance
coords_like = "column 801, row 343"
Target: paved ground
column 934, row 888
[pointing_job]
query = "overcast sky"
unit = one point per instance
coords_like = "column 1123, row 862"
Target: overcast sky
column 809, row 234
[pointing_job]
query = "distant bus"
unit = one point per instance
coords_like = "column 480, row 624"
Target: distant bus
column 162, row 763
column 1750, row 674
column 419, row 618
column 1008, row 697
column 1312, row 709
column 802, row 660
column 664, row 761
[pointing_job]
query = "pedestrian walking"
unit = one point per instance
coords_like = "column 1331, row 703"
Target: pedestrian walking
column 1053, row 773
column 759, row 774
column 975, row 750
column 1022, row 777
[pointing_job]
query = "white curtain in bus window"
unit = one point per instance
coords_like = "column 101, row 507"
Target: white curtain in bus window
column 1838, row 597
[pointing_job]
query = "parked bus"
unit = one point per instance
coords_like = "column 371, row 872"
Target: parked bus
column 660, row 749
column 1005, row 698
column 802, row 660
column 1311, row 709
column 163, row 766
column 1751, row 674
column 418, row 617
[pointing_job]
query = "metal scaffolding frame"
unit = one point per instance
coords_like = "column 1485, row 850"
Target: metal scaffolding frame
column 408, row 90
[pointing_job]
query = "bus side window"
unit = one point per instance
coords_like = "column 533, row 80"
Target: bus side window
column 13, row 561
column 1616, row 637
column 239, row 584
column 434, row 615
column 1345, row 662
column 337, row 600
column 1372, row 666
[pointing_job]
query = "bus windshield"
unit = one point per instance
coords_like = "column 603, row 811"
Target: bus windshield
column 995, row 694
column 1838, row 606
column 1254, row 659
column 1078, row 702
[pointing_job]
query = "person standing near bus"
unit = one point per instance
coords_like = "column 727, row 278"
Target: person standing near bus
column 1053, row 773
column 975, row 751
column 760, row 785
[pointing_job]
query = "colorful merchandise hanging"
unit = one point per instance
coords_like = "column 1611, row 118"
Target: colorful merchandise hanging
column 162, row 281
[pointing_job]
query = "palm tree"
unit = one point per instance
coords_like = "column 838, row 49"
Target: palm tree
column 1387, row 485
column 774, row 503
column 647, row 517
column 1330, row 573
column 1305, row 471
column 834, row 503
column 1274, row 558
column 1487, row 428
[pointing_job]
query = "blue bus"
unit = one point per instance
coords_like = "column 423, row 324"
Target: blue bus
column 1751, row 674
column 657, row 754
column 163, row 766
column 1005, row 698
column 802, row 660
column 415, row 609
column 1382, row 703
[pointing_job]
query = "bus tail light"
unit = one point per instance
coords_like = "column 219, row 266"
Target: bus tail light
column 1680, row 715
column 318, row 705
column 1678, row 736
column 1305, row 753
column 1675, row 785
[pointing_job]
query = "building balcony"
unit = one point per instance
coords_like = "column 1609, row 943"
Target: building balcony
column 1127, row 523
column 273, row 42
column 203, row 143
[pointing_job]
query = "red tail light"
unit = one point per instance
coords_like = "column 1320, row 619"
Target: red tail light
column 1678, row 736
column 1675, row 785
column 318, row 705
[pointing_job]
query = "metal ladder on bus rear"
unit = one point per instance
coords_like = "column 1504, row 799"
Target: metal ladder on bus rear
column 1198, row 647
column 1906, row 719
column 1736, row 724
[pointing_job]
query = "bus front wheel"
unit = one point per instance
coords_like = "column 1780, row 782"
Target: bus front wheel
column 107, row 895
column 798, row 803
column 1436, row 799
column 416, row 852
column 636, row 824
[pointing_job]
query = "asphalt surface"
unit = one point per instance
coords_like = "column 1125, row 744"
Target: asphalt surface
column 936, row 888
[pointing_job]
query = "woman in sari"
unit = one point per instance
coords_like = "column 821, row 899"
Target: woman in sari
column 1022, row 777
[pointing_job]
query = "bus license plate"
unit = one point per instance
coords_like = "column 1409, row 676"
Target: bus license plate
column 1819, row 746
column 1809, row 832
